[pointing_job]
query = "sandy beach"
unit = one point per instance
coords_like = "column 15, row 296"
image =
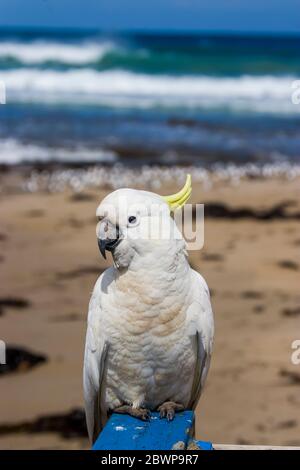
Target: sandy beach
column 251, row 261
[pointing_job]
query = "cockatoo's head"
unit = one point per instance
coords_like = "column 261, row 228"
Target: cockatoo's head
column 133, row 223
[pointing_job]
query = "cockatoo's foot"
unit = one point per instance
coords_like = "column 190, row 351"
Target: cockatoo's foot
column 140, row 413
column 168, row 409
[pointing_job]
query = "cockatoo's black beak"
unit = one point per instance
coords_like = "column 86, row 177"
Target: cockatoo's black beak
column 108, row 244
column 101, row 245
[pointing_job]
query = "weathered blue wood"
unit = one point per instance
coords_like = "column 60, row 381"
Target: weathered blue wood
column 123, row 432
column 203, row 445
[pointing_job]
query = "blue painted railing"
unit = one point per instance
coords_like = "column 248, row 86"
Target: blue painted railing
column 123, row 432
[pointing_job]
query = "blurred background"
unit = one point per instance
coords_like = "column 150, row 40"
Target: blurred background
column 101, row 95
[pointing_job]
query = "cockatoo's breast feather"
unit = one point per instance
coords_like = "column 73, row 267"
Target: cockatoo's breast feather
column 148, row 342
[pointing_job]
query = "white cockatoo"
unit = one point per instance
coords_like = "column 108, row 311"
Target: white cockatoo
column 150, row 322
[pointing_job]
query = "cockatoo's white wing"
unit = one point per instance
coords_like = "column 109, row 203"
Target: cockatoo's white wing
column 96, row 347
column 201, row 326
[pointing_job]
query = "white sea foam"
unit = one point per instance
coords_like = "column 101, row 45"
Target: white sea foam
column 42, row 51
column 13, row 151
column 127, row 89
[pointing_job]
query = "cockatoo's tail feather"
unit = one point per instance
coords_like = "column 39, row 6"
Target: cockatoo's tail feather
column 178, row 200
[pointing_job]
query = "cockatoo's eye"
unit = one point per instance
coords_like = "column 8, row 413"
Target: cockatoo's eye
column 132, row 220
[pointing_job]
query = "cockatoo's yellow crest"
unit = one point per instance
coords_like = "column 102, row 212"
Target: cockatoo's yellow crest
column 178, row 200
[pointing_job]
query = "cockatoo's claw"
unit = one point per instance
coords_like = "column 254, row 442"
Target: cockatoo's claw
column 168, row 410
column 140, row 413
column 144, row 414
column 162, row 412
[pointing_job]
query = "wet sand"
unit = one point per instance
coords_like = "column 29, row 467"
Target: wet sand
column 50, row 261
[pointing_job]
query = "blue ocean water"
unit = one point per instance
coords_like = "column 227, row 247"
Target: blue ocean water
column 148, row 98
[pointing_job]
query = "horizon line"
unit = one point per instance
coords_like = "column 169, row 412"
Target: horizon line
column 149, row 31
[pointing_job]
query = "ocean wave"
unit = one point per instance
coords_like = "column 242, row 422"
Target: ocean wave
column 155, row 54
column 265, row 94
column 39, row 52
column 13, row 151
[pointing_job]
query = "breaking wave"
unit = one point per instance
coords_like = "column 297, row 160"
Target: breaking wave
column 265, row 94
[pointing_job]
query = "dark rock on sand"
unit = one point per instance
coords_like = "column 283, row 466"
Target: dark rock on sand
column 13, row 302
column 291, row 312
column 293, row 378
column 20, row 360
column 288, row 424
column 288, row 264
column 252, row 294
column 222, row 211
column 82, row 197
column 68, row 425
